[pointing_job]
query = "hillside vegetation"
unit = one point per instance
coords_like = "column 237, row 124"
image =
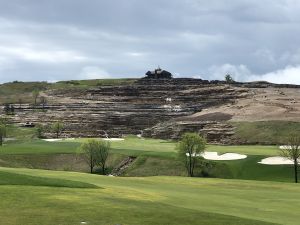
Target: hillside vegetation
column 154, row 157
column 17, row 91
column 265, row 132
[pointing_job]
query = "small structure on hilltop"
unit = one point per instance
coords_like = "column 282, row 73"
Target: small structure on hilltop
column 159, row 74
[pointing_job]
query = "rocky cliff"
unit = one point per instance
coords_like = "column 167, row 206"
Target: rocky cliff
column 157, row 108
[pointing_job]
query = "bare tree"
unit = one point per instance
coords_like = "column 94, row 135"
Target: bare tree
column 20, row 101
column 35, row 95
column 43, row 101
column 292, row 152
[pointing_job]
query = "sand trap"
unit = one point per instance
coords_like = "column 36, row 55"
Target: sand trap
column 283, row 147
column 69, row 139
column 9, row 139
column 113, row 139
column 52, row 140
column 276, row 160
column 226, row 156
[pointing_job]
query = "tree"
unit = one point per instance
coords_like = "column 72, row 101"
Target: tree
column 2, row 133
column 20, row 101
column 292, row 152
column 229, row 79
column 189, row 148
column 95, row 153
column 39, row 130
column 9, row 109
column 103, row 148
column 35, row 95
column 57, row 127
column 43, row 101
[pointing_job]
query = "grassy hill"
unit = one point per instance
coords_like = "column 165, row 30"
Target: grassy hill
column 152, row 200
column 14, row 91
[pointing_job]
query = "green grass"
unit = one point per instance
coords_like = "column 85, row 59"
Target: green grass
column 155, row 157
column 93, row 83
column 39, row 147
column 166, row 148
column 246, row 149
column 249, row 169
column 20, row 133
column 12, row 92
column 268, row 132
column 152, row 200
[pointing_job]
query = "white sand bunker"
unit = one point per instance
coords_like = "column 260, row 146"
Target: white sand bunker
column 226, row 156
column 284, row 147
column 52, row 140
column 276, row 160
column 113, row 139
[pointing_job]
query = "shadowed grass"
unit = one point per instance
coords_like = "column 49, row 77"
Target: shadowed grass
column 8, row 178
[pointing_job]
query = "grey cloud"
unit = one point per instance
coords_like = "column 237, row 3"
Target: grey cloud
column 63, row 39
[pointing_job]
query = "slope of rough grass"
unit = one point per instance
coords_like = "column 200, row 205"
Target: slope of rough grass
column 268, row 132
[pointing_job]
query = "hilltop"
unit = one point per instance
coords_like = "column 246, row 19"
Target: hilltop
column 160, row 108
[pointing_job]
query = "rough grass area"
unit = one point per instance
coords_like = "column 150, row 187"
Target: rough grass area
column 65, row 162
column 149, row 201
column 14, row 91
column 9, row 178
column 20, row 133
column 265, row 132
column 93, row 83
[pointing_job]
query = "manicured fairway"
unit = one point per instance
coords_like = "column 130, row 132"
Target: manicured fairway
column 156, row 157
column 152, row 200
column 130, row 146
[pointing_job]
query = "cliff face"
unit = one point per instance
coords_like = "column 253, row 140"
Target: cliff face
column 154, row 108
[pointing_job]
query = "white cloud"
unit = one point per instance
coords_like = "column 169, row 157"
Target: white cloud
column 288, row 75
column 48, row 56
column 93, row 72
column 238, row 73
column 189, row 37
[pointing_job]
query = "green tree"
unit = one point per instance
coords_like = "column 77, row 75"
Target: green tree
column 229, row 79
column 292, row 152
column 35, row 95
column 190, row 147
column 102, row 152
column 57, row 127
column 2, row 133
column 40, row 130
column 95, row 153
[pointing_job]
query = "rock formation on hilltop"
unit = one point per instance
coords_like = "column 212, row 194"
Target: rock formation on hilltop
column 163, row 108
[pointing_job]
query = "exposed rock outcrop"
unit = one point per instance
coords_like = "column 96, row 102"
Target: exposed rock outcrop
column 121, row 168
column 161, row 108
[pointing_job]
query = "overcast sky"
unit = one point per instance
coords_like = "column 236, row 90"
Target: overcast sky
column 53, row 40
